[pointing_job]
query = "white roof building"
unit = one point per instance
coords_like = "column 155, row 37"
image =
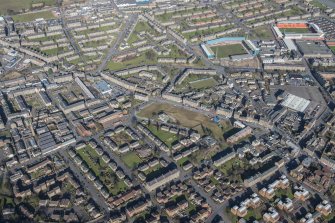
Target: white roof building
column 295, row 103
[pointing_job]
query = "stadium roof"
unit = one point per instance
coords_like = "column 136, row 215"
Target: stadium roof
column 295, row 103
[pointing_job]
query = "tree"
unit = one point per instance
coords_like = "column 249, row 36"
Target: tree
column 150, row 55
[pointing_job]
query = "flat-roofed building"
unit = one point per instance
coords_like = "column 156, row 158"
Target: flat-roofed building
column 295, row 103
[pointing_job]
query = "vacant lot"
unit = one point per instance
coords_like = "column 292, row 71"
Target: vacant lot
column 187, row 118
column 27, row 17
column 228, row 50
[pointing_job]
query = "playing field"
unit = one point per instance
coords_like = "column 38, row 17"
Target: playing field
column 295, row 30
column 228, row 50
column 18, row 5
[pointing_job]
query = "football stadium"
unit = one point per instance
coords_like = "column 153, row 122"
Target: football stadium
column 232, row 47
column 298, row 29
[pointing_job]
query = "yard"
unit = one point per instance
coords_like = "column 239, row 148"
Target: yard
column 140, row 27
column 230, row 166
column 168, row 16
column 46, row 38
column 101, row 170
column 33, row 101
column 203, row 83
column 152, row 169
column 194, row 81
column 176, row 52
column 143, row 26
column 332, row 48
column 228, row 50
column 280, row 193
column 253, row 215
column 53, row 52
column 131, row 159
column 121, row 138
column 318, row 4
column 182, row 161
column 167, row 137
column 31, row 16
column 294, row 11
column 149, row 57
column 199, row 121
column 262, row 32
column 209, row 31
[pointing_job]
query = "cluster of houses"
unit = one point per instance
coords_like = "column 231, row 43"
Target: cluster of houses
column 90, row 174
column 161, row 145
column 126, row 146
column 47, row 190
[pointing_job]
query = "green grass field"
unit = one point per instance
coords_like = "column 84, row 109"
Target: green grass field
column 168, row 16
column 182, row 161
column 228, row 50
column 204, row 83
column 27, row 17
column 195, row 81
column 318, row 4
column 332, row 48
column 53, row 52
column 231, row 164
column 253, row 215
column 18, row 5
column 295, row 30
column 133, row 38
column 131, row 159
column 286, row 193
column 294, row 11
column 143, row 26
column 46, row 38
column 142, row 59
column 262, row 32
column 167, row 137
column 176, row 52
column 206, row 32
